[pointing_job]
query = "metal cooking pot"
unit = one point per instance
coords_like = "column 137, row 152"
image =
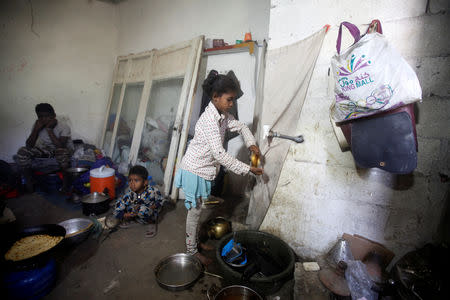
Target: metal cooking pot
column 73, row 174
column 218, row 227
column 237, row 292
column 77, row 230
column 95, row 203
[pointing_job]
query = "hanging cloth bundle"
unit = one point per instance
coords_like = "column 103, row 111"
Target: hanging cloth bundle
column 375, row 90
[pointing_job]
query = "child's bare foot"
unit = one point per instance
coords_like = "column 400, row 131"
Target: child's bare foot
column 203, row 259
column 206, row 247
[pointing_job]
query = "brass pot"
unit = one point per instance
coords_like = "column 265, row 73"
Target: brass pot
column 218, row 227
column 255, row 160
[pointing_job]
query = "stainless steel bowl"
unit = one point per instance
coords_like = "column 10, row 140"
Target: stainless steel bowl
column 77, row 230
column 178, row 272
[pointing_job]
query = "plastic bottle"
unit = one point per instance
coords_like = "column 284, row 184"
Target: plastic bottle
column 150, row 181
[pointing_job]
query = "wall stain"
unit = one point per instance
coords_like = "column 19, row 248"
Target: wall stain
column 13, row 68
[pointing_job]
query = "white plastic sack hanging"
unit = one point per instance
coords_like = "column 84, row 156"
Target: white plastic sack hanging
column 370, row 77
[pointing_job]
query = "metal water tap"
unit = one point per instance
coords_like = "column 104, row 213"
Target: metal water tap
column 297, row 139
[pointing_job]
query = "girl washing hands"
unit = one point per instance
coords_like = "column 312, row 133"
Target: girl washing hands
column 205, row 152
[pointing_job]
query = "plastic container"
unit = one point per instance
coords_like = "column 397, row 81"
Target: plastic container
column 30, row 284
column 252, row 239
column 103, row 178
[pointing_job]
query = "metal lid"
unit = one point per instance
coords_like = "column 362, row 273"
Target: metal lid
column 94, row 198
column 102, row 172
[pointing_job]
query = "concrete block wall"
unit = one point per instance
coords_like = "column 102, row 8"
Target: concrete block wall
column 321, row 193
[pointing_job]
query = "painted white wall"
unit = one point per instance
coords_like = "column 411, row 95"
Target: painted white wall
column 148, row 24
column 70, row 63
column 67, row 63
column 321, row 194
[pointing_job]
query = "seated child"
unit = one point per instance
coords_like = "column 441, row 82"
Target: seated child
column 141, row 204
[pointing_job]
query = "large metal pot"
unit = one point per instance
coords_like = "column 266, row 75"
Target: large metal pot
column 95, row 203
column 76, row 171
column 73, row 174
column 237, row 292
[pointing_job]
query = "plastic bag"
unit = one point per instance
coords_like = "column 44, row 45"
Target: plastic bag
column 359, row 282
column 78, row 153
column 157, row 142
column 370, row 77
column 123, row 167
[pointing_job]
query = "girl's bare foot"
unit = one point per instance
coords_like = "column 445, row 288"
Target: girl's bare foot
column 206, row 247
column 203, row 259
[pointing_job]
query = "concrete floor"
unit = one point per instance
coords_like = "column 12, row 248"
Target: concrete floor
column 122, row 266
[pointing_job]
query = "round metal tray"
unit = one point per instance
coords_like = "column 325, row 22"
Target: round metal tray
column 178, row 272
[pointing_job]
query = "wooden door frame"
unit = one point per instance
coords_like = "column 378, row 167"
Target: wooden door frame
column 180, row 128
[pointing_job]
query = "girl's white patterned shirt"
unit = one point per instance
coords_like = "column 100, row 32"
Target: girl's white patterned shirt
column 205, row 152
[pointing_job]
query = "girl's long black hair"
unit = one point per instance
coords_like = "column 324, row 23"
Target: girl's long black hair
column 218, row 84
